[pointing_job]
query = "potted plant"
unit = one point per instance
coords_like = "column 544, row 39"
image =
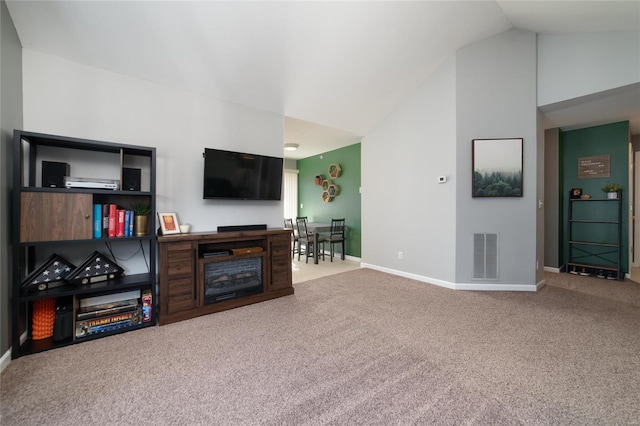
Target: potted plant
column 612, row 190
column 141, row 218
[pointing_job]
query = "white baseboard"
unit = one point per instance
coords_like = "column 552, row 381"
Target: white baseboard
column 5, row 360
column 455, row 286
column 416, row 277
column 6, row 357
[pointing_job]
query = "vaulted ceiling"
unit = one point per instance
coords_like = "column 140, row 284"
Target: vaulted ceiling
column 334, row 69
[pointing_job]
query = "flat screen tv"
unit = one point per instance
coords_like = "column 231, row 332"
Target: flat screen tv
column 240, row 176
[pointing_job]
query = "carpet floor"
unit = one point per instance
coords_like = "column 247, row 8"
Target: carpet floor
column 359, row 347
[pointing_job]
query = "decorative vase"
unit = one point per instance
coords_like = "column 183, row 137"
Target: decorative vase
column 141, row 225
column 612, row 195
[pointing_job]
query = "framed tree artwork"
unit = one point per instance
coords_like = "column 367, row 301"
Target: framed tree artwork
column 497, row 167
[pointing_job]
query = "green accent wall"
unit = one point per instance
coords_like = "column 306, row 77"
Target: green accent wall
column 612, row 140
column 346, row 204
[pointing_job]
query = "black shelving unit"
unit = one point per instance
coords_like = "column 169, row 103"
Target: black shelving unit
column 594, row 243
column 48, row 221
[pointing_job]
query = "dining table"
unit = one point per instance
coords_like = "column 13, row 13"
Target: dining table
column 317, row 228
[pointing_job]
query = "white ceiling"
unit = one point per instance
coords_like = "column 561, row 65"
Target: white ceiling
column 334, row 69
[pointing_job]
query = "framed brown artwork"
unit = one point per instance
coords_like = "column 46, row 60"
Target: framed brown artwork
column 168, row 223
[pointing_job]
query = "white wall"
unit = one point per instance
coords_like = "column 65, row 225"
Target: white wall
column 574, row 65
column 496, row 98
column 488, row 90
column 404, row 208
column 10, row 119
column 66, row 98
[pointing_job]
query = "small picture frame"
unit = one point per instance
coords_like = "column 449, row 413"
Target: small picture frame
column 168, row 223
column 576, row 193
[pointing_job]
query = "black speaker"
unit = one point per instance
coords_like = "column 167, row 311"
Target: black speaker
column 63, row 325
column 130, row 179
column 53, row 174
column 237, row 228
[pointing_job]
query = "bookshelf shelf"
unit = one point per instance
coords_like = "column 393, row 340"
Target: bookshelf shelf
column 126, row 282
column 109, row 192
column 34, row 346
column 88, row 240
column 49, row 219
column 594, row 245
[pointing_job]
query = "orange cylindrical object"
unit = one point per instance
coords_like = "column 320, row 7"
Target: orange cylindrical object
column 44, row 317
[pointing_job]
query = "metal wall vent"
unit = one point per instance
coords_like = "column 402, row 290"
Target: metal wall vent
column 485, row 256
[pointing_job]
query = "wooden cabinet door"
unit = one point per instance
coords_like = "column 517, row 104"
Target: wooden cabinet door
column 177, row 277
column 54, row 216
column 280, row 264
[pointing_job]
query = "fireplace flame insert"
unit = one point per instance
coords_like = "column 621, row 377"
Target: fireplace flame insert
column 232, row 278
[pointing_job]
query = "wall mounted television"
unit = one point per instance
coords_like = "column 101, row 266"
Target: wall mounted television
column 234, row 175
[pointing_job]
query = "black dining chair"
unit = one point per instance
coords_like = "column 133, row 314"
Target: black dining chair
column 336, row 236
column 295, row 240
column 301, row 238
column 307, row 238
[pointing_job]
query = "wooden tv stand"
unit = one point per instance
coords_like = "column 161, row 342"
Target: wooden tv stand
column 185, row 260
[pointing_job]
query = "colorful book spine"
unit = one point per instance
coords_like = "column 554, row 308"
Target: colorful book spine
column 112, row 220
column 105, row 220
column 126, row 223
column 131, row 220
column 120, row 223
column 97, row 221
column 147, row 304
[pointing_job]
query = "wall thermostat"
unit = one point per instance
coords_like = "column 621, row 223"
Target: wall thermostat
column 442, row 179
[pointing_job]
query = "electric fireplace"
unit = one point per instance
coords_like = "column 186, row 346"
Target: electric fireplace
column 232, row 278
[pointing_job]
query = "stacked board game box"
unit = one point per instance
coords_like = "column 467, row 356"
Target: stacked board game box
column 108, row 313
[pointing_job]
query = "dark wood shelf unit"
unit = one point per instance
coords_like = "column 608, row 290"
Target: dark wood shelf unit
column 59, row 220
column 182, row 262
column 602, row 257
